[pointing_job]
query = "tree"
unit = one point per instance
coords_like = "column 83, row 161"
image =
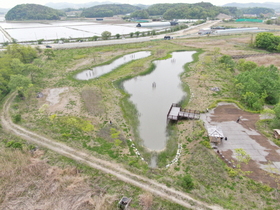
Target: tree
column 269, row 22
column 259, row 85
column 106, row 35
column 95, row 38
column 137, row 33
column 244, row 65
column 118, row 36
column 40, row 41
column 267, row 41
column 276, row 120
column 131, row 34
column 19, row 82
column 227, row 62
column 49, row 53
column 25, row 54
column 33, row 71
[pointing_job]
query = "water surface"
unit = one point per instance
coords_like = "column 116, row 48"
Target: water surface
column 153, row 95
column 101, row 70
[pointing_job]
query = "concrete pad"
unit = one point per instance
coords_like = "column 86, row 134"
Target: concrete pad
column 240, row 135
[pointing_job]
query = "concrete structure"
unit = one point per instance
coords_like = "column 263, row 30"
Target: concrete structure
column 156, row 24
column 204, row 31
column 236, row 30
column 276, row 133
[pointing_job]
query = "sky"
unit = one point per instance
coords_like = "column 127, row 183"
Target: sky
column 12, row 3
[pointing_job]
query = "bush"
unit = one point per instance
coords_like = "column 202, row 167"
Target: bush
column 187, row 182
column 206, row 143
column 13, row 144
column 17, row 118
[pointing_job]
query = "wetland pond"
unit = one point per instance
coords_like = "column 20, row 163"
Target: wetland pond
column 153, row 94
column 101, row 70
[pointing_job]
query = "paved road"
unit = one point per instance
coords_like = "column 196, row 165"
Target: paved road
column 192, row 31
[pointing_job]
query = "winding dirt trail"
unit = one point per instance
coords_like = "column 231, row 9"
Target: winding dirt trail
column 105, row 166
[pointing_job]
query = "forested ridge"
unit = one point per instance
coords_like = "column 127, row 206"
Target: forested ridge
column 33, row 12
column 109, row 10
column 181, row 10
column 257, row 10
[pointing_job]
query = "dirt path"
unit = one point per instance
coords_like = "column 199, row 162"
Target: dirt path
column 102, row 165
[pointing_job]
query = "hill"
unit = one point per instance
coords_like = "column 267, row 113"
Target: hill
column 109, row 10
column 3, row 11
column 271, row 5
column 188, row 11
column 33, row 12
column 64, row 5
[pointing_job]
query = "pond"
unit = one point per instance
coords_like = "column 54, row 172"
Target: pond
column 101, row 70
column 153, row 95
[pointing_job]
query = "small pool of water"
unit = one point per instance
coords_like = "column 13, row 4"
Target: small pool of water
column 101, row 70
column 153, row 95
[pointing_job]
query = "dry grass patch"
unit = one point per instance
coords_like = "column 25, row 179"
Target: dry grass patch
column 92, row 98
column 30, row 183
column 266, row 60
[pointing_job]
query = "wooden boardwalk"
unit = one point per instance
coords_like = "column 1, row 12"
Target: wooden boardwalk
column 176, row 113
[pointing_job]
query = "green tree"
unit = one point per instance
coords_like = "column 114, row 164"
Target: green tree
column 19, row 82
column 244, row 65
column 49, row 53
column 118, row 36
column 267, row 41
column 269, row 22
column 137, row 33
column 40, row 41
column 33, row 71
column 95, row 38
column 131, row 34
column 276, row 120
column 106, row 35
column 25, row 54
column 259, row 85
column 227, row 62
column 187, row 182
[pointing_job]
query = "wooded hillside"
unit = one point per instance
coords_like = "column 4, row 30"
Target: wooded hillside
column 33, row 12
column 109, row 10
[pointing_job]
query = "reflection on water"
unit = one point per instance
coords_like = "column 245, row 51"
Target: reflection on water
column 101, row 70
column 153, row 95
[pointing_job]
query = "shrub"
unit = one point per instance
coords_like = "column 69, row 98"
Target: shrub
column 187, row 182
column 13, row 144
column 17, row 118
